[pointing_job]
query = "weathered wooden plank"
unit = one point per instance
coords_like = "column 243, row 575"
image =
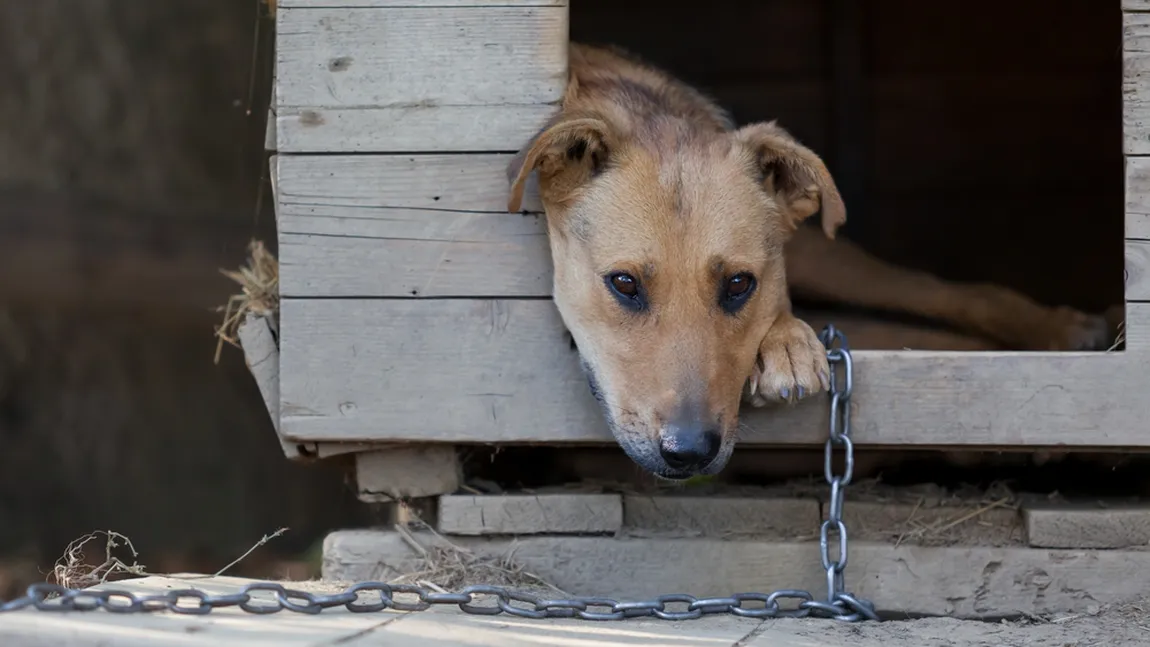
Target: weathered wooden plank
column 1136, row 5
column 349, row 57
column 460, row 370
column 1137, row 328
column 1138, row 270
column 417, row 78
column 403, row 472
column 413, row 128
column 1087, row 526
column 312, row 4
column 964, row 582
column 530, row 514
column 407, row 225
column 1138, row 197
column 1136, row 83
column 723, row 516
column 262, row 355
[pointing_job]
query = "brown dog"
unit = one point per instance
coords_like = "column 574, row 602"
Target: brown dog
column 667, row 228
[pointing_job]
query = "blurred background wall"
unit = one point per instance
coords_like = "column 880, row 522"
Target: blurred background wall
column 131, row 160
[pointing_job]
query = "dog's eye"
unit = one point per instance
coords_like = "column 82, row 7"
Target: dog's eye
column 627, row 290
column 736, row 291
column 625, row 285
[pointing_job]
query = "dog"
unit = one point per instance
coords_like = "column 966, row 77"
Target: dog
column 677, row 239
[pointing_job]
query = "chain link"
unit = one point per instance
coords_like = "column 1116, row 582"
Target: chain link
column 371, row 597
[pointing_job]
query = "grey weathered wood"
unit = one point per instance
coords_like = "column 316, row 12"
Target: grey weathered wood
column 530, row 514
column 1138, row 197
column 262, row 355
column 1133, row 5
column 962, row 581
column 305, row 4
column 1138, row 270
column 407, row 225
column 438, row 129
column 403, row 472
column 722, row 516
column 417, row 78
column 1137, row 328
column 1087, row 526
column 1136, row 83
column 482, row 371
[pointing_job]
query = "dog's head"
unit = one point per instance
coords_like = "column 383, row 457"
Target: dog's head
column 668, row 259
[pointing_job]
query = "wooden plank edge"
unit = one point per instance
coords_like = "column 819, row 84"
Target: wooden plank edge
column 530, row 514
column 406, row 471
column 962, row 582
column 1089, row 525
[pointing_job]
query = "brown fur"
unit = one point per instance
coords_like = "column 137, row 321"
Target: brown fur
column 640, row 173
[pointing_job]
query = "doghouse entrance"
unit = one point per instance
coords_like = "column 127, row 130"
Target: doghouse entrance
column 980, row 143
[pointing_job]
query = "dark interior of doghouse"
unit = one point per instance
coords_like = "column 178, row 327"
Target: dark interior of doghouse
column 978, row 141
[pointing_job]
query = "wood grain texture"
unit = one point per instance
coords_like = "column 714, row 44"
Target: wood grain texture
column 403, row 472
column 417, row 78
column 1087, row 526
column 963, row 582
column 1136, row 83
column 263, row 359
column 479, row 371
column 530, row 514
column 1138, row 328
column 407, row 225
column 416, row 128
column 1138, row 270
column 719, row 516
column 312, row 4
column 1138, row 197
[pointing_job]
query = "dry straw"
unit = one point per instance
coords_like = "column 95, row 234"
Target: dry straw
column 259, row 281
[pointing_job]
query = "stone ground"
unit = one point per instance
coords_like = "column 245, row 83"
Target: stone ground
column 1120, row 625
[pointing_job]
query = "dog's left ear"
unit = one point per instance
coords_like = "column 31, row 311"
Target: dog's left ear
column 567, row 153
column 795, row 175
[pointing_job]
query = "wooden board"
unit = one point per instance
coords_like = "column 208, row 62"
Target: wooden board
column 412, row 78
column 963, row 582
column 1138, row 270
column 306, row 4
column 530, row 514
column 1138, row 197
column 1136, row 83
column 407, row 225
column 1087, row 526
column 479, row 371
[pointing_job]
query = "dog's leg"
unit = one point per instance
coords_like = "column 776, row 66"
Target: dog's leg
column 792, row 364
column 839, row 271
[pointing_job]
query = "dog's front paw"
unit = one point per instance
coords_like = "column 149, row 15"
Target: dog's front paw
column 792, row 364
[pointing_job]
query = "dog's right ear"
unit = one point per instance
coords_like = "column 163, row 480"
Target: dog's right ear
column 567, row 153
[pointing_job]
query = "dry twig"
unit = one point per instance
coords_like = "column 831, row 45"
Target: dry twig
column 71, row 570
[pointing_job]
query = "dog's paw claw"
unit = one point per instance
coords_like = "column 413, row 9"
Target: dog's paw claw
column 792, row 365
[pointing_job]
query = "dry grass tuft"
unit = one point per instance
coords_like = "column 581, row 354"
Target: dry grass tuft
column 73, row 571
column 449, row 567
column 259, row 280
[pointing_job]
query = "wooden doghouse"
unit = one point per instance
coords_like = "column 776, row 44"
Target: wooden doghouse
column 415, row 312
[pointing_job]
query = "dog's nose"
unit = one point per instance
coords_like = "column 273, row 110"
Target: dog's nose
column 688, row 447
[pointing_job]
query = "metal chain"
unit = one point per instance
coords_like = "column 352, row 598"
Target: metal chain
column 370, row 597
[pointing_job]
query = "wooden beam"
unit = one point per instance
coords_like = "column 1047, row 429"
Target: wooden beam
column 502, row 371
column 1138, row 198
column 412, row 78
column 1136, row 83
column 962, row 581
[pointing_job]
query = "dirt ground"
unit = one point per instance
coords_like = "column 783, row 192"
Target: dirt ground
column 1126, row 625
